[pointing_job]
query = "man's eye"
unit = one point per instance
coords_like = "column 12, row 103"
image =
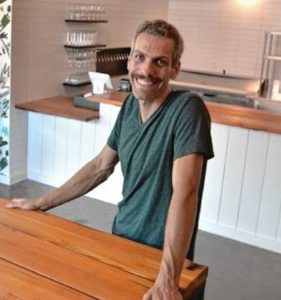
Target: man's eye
column 139, row 57
column 161, row 63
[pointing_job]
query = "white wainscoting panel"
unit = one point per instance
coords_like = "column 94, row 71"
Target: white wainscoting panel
column 233, row 176
column 48, row 139
column 73, row 147
column 215, row 174
column 269, row 217
column 242, row 194
column 253, row 181
column 59, row 147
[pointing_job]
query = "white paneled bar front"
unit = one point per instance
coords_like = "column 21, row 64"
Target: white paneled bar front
column 242, row 194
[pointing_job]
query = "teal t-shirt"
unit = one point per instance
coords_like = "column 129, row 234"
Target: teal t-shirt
column 146, row 151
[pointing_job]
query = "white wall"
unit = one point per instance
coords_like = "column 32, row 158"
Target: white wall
column 219, row 34
column 225, row 34
column 39, row 60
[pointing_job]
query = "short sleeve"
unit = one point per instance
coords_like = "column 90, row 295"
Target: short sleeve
column 113, row 138
column 192, row 131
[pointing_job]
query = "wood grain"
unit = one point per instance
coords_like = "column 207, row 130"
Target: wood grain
column 95, row 263
column 59, row 106
column 17, row 283
column 220, row 113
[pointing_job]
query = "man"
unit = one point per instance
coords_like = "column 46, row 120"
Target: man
column 162, row 139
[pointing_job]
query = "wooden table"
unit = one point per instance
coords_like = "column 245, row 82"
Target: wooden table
column 47, row 257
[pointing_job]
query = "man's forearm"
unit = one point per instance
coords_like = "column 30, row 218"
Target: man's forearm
column 178, row 232
column 90, row 176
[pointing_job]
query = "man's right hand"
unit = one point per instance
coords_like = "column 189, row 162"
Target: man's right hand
column 22, row 203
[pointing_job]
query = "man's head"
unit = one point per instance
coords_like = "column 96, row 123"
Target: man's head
column 161, row 28
column 155, row 55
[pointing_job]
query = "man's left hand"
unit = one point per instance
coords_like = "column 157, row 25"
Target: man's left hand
column 162, row 292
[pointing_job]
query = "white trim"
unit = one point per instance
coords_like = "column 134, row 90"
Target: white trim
column 240, row 236
column 17, row 177
column 49, row 180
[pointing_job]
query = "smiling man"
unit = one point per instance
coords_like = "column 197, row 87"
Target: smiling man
column 162, row 140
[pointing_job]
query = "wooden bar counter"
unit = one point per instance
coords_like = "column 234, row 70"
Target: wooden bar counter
column 220, row 113
column 47, row 257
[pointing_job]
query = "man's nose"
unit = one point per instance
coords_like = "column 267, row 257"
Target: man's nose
column 148, row 68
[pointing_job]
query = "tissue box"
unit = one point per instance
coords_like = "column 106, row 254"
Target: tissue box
column 81, row 101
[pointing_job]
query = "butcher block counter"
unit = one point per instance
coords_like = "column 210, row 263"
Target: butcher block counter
column 220, row 113
column 46, row 257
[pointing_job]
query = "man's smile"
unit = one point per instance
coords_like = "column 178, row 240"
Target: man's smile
column 145, row 82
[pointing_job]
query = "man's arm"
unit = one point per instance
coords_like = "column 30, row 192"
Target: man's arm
column 88, row 177
column 179, row 227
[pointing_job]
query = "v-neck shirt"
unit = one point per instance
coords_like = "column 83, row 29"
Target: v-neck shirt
column 180, row 126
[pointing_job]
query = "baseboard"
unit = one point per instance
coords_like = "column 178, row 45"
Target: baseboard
column 241, row 236
column 15, row 178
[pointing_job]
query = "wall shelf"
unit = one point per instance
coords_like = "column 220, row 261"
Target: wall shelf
column 85, row 21
column 273, row 57
column 76, row 84
column 270, row 69
column 85, row 47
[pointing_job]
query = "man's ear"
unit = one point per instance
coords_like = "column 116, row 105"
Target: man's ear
column 128, row 61
column 175, row 70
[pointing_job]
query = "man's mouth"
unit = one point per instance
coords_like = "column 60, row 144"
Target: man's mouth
column 146, row 81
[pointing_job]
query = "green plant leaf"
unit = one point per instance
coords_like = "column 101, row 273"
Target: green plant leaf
column 5, row 21
column 3, row 163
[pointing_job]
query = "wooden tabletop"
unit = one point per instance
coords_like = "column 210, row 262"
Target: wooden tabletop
column 47, row 257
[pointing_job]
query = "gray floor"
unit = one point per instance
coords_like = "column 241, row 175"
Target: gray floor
column 236, row 271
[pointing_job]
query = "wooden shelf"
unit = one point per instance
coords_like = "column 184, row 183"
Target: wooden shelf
column 85, row 21
column 76, row 84
column 85, row 47
column 272, row 57
column 60, row 106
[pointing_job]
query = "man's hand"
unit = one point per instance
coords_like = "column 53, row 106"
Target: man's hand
column 22, row 203
column 163, row 292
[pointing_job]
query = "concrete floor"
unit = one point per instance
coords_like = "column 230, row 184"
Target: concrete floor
column 236, row 271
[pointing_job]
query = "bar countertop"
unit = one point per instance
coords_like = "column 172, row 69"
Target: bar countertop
column 233, row 115
column 59, row 106
column 250, row 118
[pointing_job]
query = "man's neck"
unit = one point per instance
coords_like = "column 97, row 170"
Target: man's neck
column 148, row 108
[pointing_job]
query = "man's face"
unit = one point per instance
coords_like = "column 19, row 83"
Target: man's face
column 150, row 67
